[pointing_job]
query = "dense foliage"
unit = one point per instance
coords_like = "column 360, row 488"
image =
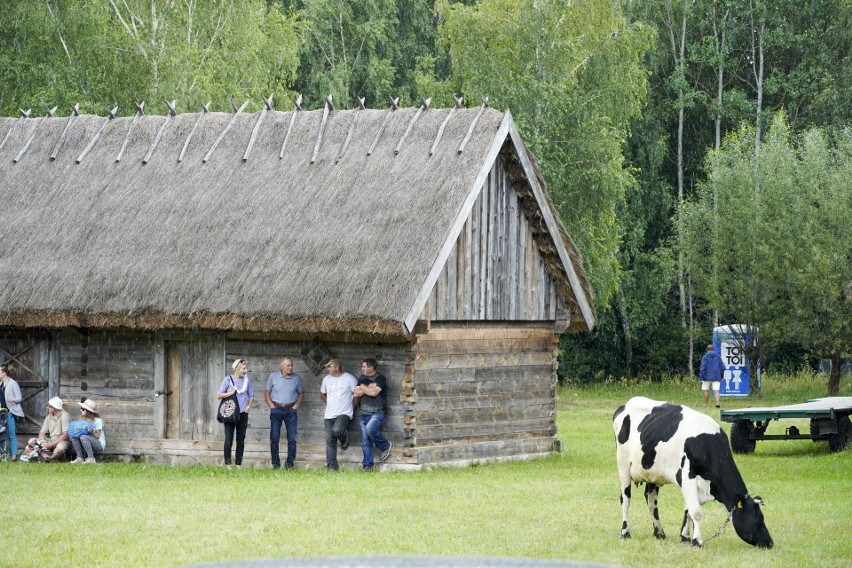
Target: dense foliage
column 650, row 120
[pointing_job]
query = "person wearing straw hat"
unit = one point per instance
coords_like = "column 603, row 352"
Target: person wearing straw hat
column 52, row 441
column 11, row 398
column 338, row 392
column 89, row 444
column 239, row 382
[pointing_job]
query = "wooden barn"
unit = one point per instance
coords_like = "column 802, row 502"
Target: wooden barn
column 140, row 255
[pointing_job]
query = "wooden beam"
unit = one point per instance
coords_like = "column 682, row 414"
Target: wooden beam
column 225, row 131
column 75, row 111
column 139, row 112
column 394, row 103
column 204, row 110
column 297, row 107
column 423, row 106
column 94, row 140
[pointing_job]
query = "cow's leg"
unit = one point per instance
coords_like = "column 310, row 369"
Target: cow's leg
column 625, row 504
column 651, row 493
column 624, row 483
column 693, row 509
column 685, row 528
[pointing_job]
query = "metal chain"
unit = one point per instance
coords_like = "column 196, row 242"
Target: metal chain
column 722, row 528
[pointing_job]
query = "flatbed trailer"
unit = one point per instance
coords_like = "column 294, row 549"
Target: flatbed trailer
column 829, row 420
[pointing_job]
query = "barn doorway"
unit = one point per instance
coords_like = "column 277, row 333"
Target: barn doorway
column 192, row 377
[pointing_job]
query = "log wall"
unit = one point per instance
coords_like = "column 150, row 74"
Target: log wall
column 457, row 393
column 496, row 271
column 480, row 392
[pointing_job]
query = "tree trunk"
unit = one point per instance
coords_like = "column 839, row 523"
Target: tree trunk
column 834, row 375
column 625, row 328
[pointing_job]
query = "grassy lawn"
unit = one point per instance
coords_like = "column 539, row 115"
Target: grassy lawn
column 564, row 507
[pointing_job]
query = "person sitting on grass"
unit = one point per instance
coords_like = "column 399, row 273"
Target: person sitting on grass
column 88, row 444
column 52, row 441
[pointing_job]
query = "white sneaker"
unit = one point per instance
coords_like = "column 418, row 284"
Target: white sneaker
column 78, row 460
column 386, row 453
column 90, row 460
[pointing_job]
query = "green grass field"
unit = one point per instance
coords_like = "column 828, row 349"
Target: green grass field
column 564, row 507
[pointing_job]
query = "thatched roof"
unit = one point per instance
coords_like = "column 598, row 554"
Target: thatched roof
column 104, row 230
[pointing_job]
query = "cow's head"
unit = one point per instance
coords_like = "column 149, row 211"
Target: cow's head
column 748, row 521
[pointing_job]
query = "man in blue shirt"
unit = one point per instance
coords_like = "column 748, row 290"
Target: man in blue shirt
column 284, row 395
column 710, row 374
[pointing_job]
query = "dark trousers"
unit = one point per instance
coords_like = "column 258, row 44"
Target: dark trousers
column 288, row 416
column 240, row 428
column 335, row 429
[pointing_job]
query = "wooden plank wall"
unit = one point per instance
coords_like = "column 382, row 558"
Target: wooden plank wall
column 482, row 391
column 115, row 368
column 31, row 371
column 496, row 271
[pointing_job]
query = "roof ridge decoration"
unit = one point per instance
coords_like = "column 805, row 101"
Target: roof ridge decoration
column 50, row 113
column 394, row 107
column 14, row 125
column 75, row 111
column 267, row 105
column 444, row 124
column 424, row 105
column 297, row 107
column 351, row 131
column 237, row 112
column 205, row 109
column 110, row 115
column 473, row 124
column 326, row 109
column 162, row 129
column 139, row 112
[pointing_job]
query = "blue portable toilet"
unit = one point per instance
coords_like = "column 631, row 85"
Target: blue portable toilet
column 727, row 341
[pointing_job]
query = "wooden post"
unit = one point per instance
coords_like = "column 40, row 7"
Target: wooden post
column 473, row 124
column 53, row 370
column 49, row 114
column 204, row 110
column 162, row 129
column 139, row 112
column 225, row 131
column 423, row 106
column 110, row 116
column 267, row 105
column 297, row 107
column 394, row 103
column 24, row 114
column 75, row 111
column 325, row 112
column 444, row 124
column 351, row 130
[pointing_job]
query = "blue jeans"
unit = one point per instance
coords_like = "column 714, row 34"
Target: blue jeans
column 288, row 416
column 11, row 432
column 371, row 434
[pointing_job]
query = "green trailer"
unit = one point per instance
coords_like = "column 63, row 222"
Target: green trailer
column 829, row 420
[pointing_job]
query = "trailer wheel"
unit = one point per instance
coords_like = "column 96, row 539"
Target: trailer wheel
column 837, row 442
column 740, row 442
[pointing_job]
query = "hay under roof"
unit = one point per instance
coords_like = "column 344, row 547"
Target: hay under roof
column 105, row 226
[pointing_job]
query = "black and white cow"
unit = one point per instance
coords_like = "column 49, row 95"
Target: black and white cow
column 660, row 443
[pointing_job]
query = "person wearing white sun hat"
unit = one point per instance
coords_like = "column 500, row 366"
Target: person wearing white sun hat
column 52, row 439
column 93, row 442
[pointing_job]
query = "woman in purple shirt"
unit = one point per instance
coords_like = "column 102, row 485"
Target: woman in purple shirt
column 240, row 383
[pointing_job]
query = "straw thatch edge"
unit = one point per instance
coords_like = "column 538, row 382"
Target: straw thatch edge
column 223, row 322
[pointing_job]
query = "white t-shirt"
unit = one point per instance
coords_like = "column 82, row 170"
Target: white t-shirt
column 339, row 392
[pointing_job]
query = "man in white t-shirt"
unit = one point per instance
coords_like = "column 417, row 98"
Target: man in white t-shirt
column 338, row 394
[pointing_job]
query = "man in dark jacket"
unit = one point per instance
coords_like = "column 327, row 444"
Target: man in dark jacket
column 710, row 374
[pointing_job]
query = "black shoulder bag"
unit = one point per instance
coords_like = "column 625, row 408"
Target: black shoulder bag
column 229, row 408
